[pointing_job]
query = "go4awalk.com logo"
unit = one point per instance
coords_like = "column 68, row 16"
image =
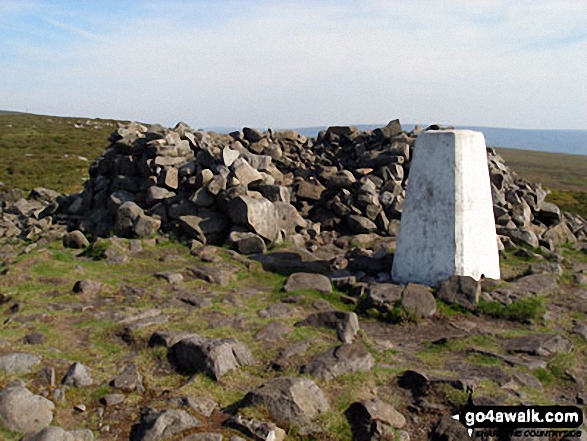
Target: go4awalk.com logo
column 551, row 421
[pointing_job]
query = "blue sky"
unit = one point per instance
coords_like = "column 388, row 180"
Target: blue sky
column 298, row 63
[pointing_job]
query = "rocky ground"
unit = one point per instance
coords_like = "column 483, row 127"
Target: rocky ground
column 250, row 297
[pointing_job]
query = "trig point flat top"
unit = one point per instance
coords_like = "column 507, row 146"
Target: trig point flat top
column 447, row 225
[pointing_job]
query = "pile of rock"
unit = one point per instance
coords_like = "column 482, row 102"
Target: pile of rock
column 198, row 185
column 253, row 189
column 30, row 217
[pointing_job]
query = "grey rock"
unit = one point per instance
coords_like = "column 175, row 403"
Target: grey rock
column 110, row 400
column 53, row 433
column 273, row 331
column 257, row 214
column 170, row 277
column 155, row 426
column 19, row 362
column 539, row 344
column 156, row 194
column 559, row 234
column 211, row 356
column 87, row 287
column 522, row 236
column 35, row 338
column 126, row 215
column 462, row 290
column 288, row 218
column 581, row 330
column 383, row 296
column 245, row 174
column 129, row 380
column 77, row 375
column 418, row 300
column 22, row 411
column 250, row 243
column 360, row 224
column 449, row 430
column 212, row 274
column 340, row 360
column 75, row 239
column 203, row 405
column 168, row 339
column 345, row 323
column 146, row 226
column 257, row 430
column 296, row 401
column 229, row 156
column 308, row 281
column 204, row 436
column 309, row 191
column 373, row 419
column 549, row 214
column 49, row 434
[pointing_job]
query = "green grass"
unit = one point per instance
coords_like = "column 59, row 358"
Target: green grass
column 43, row 151
column 520, row 311
column 564, row 175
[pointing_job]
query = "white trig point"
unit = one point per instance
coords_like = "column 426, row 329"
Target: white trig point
column 447, row 226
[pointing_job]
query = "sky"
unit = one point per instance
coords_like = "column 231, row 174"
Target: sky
column 281, row 64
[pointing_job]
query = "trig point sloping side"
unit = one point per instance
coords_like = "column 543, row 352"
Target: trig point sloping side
column 447, row 225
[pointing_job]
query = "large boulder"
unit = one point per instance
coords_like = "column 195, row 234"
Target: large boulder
column 22, row 411
column 296, row 401
column 211, row 356
column 258, row 214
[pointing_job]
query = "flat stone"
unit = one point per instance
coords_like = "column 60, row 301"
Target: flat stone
column 19, row 362
column 168, row 339
column 308, row 281
column 539, row 344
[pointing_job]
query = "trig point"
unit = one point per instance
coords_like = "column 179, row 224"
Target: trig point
column 447, row 225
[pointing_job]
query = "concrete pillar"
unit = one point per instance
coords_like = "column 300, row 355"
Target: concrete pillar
column 447, row 225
